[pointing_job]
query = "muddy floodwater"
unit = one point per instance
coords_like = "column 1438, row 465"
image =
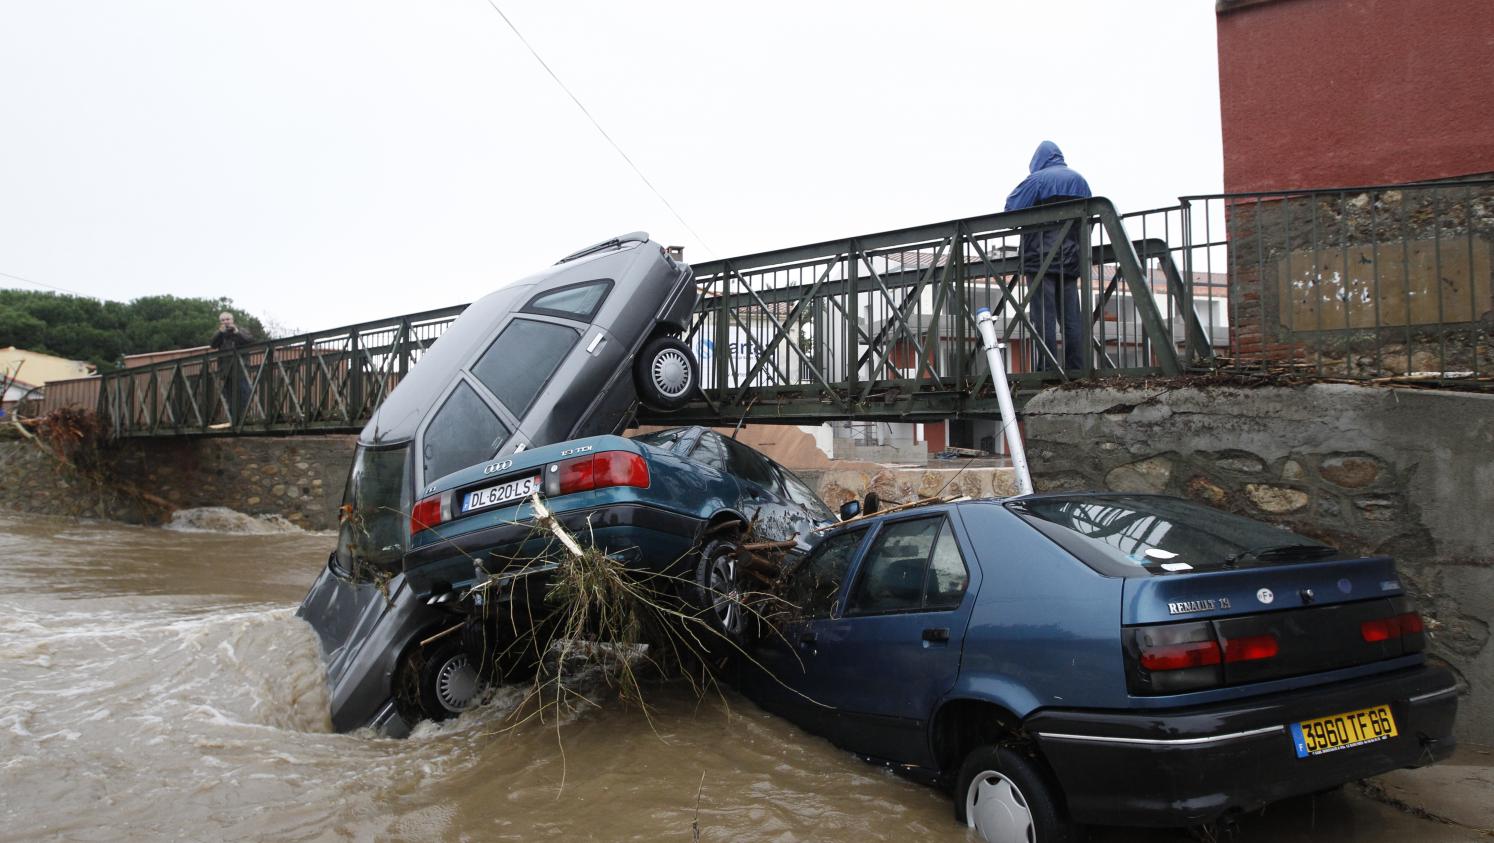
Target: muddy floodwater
column 155, row 683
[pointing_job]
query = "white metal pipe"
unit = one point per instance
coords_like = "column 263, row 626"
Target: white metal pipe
column 994, row 357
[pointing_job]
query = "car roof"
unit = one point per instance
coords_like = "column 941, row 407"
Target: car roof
column 399, row 416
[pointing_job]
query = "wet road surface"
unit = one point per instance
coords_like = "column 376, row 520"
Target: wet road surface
column 156, row 684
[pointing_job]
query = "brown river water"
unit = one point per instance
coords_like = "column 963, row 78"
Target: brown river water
column 156, row 684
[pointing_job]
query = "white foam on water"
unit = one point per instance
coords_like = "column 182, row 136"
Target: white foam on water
column 221, row 519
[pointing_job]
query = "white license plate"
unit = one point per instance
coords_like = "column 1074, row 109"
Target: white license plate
column 502, row 493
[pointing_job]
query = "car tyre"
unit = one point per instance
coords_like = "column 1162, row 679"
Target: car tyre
column 1006, row 796
column 666, row 374
column 499, row 653
column 449, row 681
column 718, row 596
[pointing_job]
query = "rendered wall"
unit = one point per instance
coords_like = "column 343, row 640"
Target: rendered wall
column 1331, row 93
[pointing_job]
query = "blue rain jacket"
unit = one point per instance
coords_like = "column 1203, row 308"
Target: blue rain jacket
column 1049, row 180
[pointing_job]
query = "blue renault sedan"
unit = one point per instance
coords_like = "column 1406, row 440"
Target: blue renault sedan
column 1103, row 658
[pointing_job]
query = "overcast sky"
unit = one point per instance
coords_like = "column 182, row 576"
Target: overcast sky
column 323, row 163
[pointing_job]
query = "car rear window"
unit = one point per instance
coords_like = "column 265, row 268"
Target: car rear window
column 1159, row 534
column 462, row 433
column 519, row 363
column 750, row 465
column 578, row 301
column 665, row 439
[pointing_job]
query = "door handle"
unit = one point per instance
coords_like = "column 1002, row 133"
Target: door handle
column 936, row 635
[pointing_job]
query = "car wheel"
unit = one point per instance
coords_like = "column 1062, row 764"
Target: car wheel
column 449, row 682
column 718, row 588
column 1006, row 797
column 666, row 374
column 499, row 654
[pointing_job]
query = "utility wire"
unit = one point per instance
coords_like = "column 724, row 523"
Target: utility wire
column 48, row 286
column 598, row 126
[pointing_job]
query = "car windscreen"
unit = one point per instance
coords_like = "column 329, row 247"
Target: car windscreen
column 1131, row 534
column 372, row 533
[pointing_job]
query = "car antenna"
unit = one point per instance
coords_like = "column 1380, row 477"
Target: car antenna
column 743, row 418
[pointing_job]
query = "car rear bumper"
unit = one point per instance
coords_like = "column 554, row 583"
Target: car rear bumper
column 1187, row 766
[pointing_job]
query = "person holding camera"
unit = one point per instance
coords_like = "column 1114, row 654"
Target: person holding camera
column 235, row 383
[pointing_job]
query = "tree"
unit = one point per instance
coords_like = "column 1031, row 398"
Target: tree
column 102, row 332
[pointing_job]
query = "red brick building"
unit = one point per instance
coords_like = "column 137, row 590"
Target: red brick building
column 1319, row 96
column 1337, row 93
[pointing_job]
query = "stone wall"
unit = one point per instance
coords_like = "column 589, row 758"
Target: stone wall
column 1404, row 472
column 140, row 480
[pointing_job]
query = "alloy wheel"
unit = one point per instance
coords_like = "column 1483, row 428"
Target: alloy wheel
column 726, row 600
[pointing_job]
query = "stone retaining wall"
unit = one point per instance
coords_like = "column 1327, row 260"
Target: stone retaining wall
column 298, row 477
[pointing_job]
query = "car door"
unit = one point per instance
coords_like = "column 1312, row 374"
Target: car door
column 890, row 648
column 784, row 675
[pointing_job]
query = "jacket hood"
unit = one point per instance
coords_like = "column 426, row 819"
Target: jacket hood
column 1047, row 155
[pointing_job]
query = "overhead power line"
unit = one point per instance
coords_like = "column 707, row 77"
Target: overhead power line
column 48, row 286
column 577, row 101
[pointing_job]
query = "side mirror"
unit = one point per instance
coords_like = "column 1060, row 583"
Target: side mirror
column 849, row 510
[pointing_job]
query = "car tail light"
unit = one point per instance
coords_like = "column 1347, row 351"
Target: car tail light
column 425, row 515
column 1180, row 656
column 1172, row 658
column 1250, row 649
column 600, row 471
column 1404, row 625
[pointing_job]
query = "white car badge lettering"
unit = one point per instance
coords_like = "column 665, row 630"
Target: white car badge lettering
column 581, row 450
column 1265, row 595
column 1183, row 607
column 497, row 466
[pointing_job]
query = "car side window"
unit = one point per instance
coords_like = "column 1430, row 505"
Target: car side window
column 463, row 432
column 517, row 365
column 750, row 465
column 948, row 576
column 711, row 451
column 813, row 586
column 578, row 301
column 912, row 566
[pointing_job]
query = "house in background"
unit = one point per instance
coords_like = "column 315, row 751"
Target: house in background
column 26, row 374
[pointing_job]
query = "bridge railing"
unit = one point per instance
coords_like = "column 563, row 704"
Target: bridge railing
column 1363, row 283
column 883, row 325
column 326, row 381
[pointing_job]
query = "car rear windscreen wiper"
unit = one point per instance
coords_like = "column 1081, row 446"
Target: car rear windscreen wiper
column 1283, row 553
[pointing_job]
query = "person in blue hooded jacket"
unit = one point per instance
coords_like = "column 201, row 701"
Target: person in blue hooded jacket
column 1051, row 180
